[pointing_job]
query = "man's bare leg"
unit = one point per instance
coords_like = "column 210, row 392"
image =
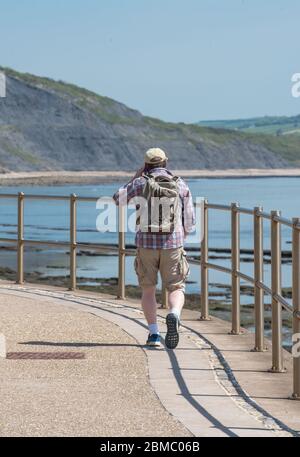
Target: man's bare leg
column 176, row 301
column 149, row 304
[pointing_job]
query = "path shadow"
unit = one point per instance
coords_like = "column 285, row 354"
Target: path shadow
column 86, row 345
column 222, row 369
column 69, row 344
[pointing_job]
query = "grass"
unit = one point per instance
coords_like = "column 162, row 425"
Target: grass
column 287, row 146
column 8, row 128
column 26, row 156
column 85, row 98
column 273, row 125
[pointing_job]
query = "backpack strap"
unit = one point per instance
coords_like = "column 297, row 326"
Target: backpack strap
column 147, row 175
column 171, row 177
column 163, row 178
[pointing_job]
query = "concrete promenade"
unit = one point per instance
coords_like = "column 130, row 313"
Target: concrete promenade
column 211, row 385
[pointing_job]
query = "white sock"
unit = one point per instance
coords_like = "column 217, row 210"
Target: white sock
column 176, row 312
column 153, row 329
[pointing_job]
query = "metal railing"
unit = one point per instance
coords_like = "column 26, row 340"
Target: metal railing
column 278, row 301
column 260, row 288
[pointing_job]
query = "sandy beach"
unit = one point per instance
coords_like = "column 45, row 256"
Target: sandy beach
column 94, row 177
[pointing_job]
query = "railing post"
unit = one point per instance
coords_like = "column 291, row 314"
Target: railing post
column 204, row 259
column 296, row 307
column 164, row 297
column 277, row 359
column 121, row 279
column 20, row 254
column 258, row 277
column 235, row 267
column 73, row 199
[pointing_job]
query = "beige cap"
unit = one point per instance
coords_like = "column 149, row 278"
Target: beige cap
column 155, row 155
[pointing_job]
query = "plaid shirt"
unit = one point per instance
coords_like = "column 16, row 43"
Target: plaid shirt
column 160, row 240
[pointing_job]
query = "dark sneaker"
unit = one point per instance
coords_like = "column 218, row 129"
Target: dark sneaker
column 153, row 340
column 172, row 336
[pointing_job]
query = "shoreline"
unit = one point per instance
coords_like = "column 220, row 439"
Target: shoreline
column 219, row 301
column 41, row 178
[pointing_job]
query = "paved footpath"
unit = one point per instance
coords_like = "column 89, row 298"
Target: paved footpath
column 211, row 385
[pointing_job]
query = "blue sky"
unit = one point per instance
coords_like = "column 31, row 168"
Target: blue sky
column 179, row 60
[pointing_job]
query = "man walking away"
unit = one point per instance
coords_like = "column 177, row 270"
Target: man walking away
column 164, row 220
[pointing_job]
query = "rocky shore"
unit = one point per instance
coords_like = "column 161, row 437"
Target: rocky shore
column 219, row 301
column 45, row 178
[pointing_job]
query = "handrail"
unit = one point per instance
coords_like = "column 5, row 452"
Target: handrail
column 278, row 301
column 56, row 197
column 245, row 210
column 218, row 267
column 249, row 211
column 218, row 206
column 260, row 288
column 251, row 280
column 8, row 240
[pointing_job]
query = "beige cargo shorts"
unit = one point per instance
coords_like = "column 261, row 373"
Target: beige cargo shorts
column 171, row 263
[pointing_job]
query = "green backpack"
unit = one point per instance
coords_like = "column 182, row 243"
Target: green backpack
column 162, row 204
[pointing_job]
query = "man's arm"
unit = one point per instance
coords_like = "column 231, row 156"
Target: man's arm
column 130, row 190
column 188, row 211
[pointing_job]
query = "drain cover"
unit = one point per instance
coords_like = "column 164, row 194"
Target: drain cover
column 45, row 355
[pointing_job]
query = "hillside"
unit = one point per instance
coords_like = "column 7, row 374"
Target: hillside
column 52, row 125
column 274, row 125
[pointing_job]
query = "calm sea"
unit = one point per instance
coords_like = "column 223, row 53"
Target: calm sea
column 49, row 220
